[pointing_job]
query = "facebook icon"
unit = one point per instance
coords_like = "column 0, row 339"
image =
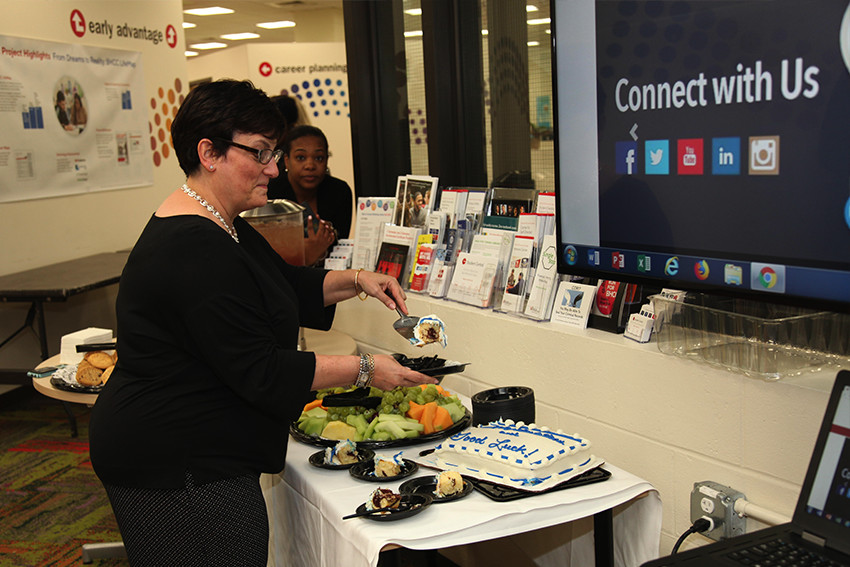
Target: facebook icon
column 627, row 158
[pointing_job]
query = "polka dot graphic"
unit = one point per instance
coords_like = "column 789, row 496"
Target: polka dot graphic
column 322, row 97
column 164, row 106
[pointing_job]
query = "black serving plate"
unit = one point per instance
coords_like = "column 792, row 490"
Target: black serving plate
column 63, row 379
column 428, row 485
column 365, row 470
column 412, row 504
column 317, row 459
column 501, row 493
column 461, row 424
column 443, row 370
column 430, row 365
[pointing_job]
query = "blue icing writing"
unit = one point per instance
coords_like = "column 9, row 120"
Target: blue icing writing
column 505, row 445
column 469, row 438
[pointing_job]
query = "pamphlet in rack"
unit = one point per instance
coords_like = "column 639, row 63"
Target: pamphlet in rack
column 421, row 263
column 544, row 284
column 472, row 281
column 441, row 273
column 373, row 213
column 437, row 226
column 395, row 257
column 614, row 302
column 519, row 270
column 453, row 203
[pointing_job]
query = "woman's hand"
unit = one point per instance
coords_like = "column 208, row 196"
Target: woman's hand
column 384, row 288
column 318, row 240
column 390, row 374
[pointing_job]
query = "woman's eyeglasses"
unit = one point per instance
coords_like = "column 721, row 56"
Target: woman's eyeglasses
column 263, row 156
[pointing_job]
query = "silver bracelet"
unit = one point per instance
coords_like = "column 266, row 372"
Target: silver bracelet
column 367, row 371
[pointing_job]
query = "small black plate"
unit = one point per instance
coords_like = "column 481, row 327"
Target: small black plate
column 317, row 459
column 428, row 485
column 501, row 493
column 60, row 383
column 443, row 370
column 413, row 504
column 365, row 470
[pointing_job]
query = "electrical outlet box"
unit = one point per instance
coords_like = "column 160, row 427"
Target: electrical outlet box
column 716, row 501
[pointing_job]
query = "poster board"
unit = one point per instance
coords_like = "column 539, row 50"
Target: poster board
column 72, row 119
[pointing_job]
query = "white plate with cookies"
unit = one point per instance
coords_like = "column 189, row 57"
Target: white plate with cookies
column 89, row 375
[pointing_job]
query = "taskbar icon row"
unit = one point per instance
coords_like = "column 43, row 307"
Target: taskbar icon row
column 746, row 275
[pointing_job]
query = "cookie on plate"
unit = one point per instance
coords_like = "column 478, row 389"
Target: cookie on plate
column 99, row 359
column 88, row 375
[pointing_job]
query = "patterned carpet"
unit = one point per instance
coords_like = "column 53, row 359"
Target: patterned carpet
column 51, row 502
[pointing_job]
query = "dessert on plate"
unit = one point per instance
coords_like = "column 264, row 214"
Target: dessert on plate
column 387, row 466
column 343, row 453
column 449, row 483
column 383, row 498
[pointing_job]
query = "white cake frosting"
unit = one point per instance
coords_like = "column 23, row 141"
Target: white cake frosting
column 516, row 454
column 429, row 329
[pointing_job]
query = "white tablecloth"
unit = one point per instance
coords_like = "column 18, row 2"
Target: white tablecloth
column 306, row 505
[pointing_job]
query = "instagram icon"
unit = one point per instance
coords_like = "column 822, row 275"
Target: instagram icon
column 764, row 155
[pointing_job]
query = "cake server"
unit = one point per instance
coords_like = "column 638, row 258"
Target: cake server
column 405, row 324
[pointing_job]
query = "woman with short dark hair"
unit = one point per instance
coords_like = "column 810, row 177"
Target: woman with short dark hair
column 209, row 376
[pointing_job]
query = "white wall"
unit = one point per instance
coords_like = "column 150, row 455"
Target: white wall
column 44, row 231
column 668, row 420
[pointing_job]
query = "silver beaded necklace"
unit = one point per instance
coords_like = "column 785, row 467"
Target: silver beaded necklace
column 231, row 230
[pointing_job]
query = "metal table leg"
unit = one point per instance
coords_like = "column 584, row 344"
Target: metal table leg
column 603, row 538
column 72, row 419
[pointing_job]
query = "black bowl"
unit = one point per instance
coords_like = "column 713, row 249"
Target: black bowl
column 509, row 402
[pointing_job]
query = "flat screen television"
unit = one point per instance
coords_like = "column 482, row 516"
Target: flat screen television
column 705, row 145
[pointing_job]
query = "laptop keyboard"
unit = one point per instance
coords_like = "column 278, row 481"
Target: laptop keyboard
column 780, row 552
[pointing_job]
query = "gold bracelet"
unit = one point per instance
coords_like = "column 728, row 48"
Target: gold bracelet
column 356, row 285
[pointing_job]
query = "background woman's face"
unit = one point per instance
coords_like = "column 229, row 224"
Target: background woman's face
column 307, row 162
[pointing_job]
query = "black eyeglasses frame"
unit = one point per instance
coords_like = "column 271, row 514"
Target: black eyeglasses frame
column 264, row 155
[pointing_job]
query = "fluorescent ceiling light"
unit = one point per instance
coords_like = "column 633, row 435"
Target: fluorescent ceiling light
column 187, row 25
column 190, row 53
column 414, row 33
column 533, row 43
column 485, row 32
column 276, row 25
column 531, row 8
column 210, row 45
column 238, row 36
column 414, row 12
column 212, row 11
column 538, row 22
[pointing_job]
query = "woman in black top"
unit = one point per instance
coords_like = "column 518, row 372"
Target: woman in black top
column 210, row 376
column 307, row 182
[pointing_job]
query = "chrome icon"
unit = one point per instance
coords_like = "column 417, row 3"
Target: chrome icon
column 701, row 270
column 571, row 255
column 767, row 277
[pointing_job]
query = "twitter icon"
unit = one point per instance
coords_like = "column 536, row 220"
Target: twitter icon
column 657, row 154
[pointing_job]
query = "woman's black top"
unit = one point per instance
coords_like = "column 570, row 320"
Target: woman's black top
column 208, row 375
column 333, row 198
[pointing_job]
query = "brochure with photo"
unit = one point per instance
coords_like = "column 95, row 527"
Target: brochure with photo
column 573, row 303
column 373, row 213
